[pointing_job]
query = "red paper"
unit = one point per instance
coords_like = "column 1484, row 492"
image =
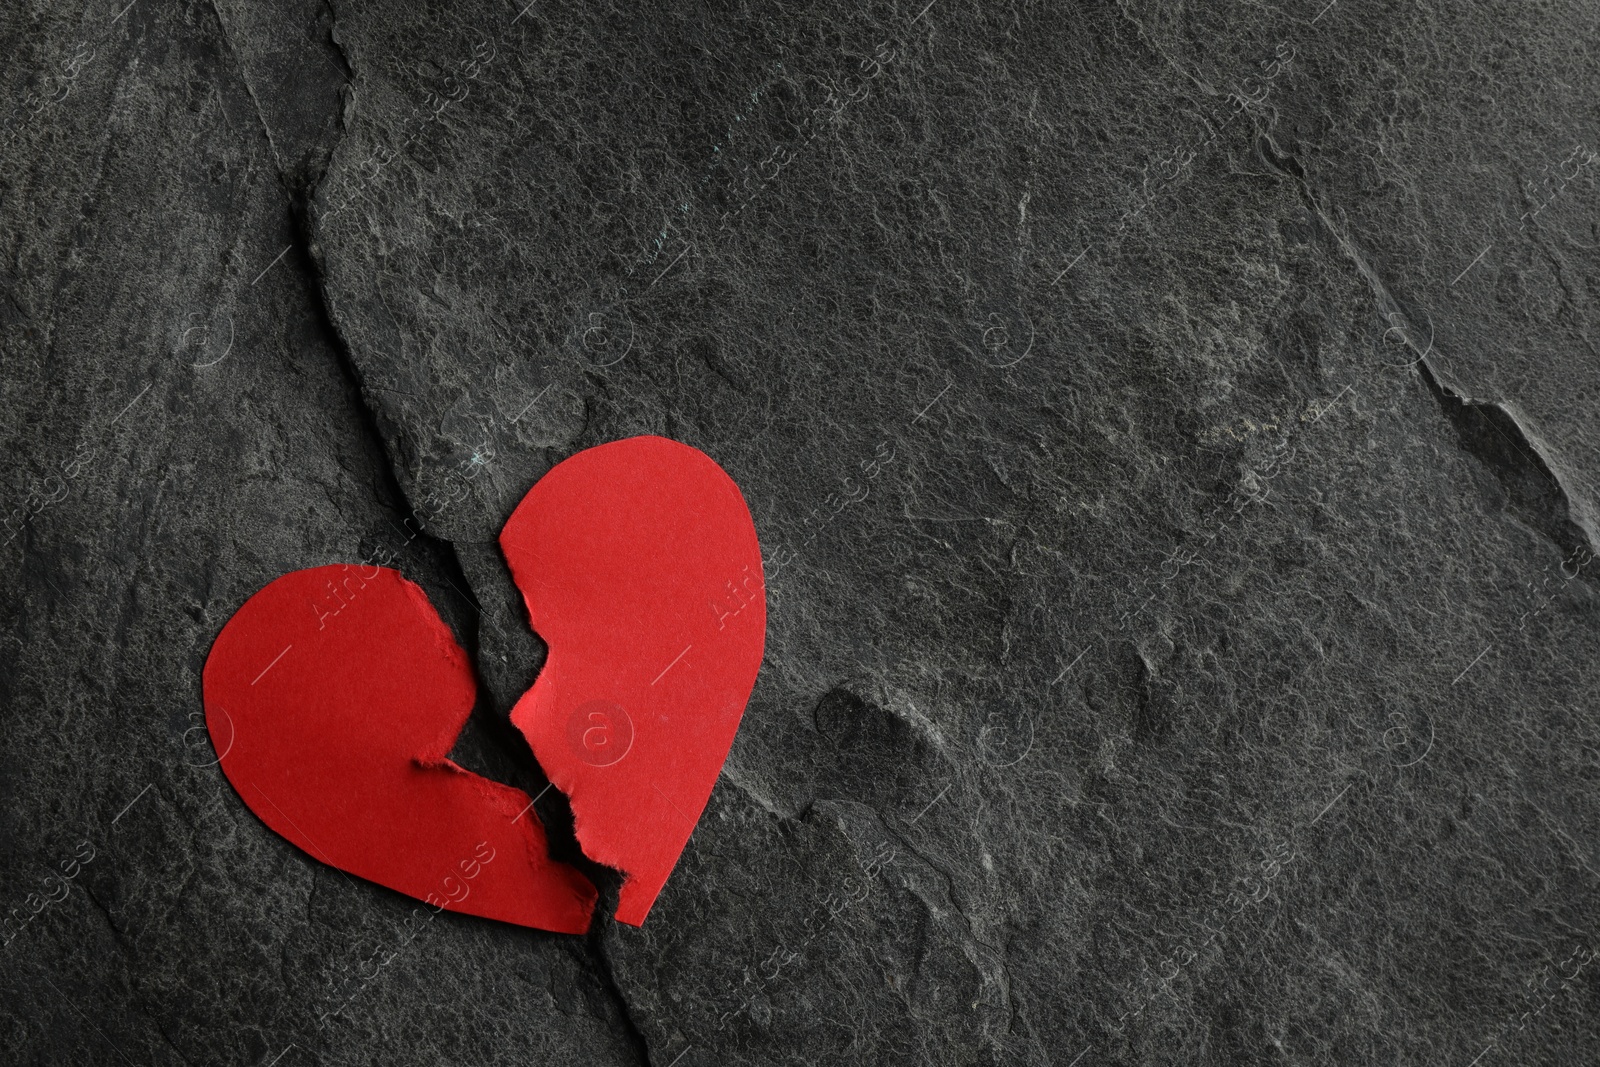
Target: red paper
column 333, row 697
column 641, row 570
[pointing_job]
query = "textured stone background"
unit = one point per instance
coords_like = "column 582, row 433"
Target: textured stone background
column 1171, row 428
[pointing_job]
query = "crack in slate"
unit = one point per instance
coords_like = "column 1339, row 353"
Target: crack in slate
column 1491, row 434
column 1487, row 431
column 600, row 965
column 338, row 46
column 555, row 812
column 244, row 80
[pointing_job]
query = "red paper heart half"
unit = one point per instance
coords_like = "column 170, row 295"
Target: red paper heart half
column 641, row 570
column 334, row 696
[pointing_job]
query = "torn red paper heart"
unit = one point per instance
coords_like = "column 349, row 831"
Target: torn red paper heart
column 640, row 567
column 333, row 696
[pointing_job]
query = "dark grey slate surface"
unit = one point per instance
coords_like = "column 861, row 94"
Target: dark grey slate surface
column 1170, row 428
